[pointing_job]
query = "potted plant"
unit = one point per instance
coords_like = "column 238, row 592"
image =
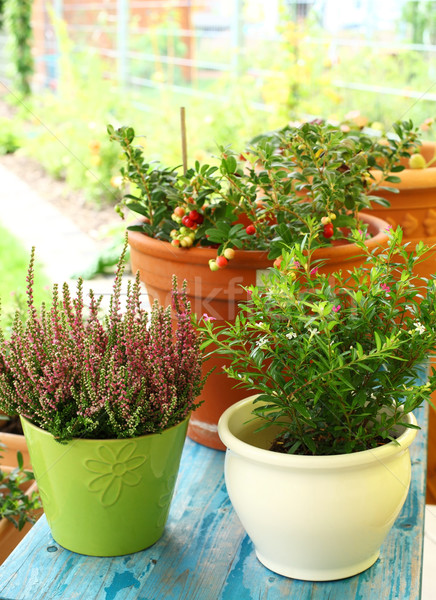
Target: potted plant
column 104, row 403
column 219, row 226
column 400, row 169
column 19, row 503
column 318, row 466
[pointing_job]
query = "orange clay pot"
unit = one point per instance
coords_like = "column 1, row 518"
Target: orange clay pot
column 9, row 534
column 217, row 294
column 12, row 443
column 414, row 207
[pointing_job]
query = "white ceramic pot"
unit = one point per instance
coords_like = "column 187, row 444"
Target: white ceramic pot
column 316, row 518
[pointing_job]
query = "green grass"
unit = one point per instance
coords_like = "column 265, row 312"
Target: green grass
column 14, row 260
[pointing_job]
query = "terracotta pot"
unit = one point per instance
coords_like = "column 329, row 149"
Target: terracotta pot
column 217, row 294
column 10, row 536
column 12, row 444
column 414, row 207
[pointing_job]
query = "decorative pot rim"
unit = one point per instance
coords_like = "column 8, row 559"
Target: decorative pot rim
column 413, row 178
column 198, row 255
column 103, row 440
column 274, row 459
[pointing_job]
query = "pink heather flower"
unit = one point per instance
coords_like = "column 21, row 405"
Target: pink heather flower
column 336, row 308
column 125, row 375
column 314, row 271
column 207, row 317
column 387, row 228
column 385, row 287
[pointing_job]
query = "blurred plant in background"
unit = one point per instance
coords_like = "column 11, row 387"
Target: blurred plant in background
column 17, row 16
column 300, row 72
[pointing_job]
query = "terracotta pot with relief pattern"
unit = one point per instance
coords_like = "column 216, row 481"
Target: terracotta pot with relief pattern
column 414, row 207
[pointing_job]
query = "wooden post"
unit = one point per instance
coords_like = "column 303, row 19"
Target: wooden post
column 184, row 145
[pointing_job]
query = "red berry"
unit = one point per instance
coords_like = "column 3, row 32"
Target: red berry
column 250, row 230
column 328, row 230
column 194, row 215
column 187, row 222
column 200, row 219
column 221, row 261
column 179, row 211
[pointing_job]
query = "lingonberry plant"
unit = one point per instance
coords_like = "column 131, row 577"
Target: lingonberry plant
column 335, row 358
column 77, row 374
column 264, row 198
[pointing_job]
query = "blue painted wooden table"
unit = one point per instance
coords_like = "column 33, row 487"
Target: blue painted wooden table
column 205, row 555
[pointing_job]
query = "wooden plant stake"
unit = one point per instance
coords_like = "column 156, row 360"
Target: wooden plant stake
column 184, row 145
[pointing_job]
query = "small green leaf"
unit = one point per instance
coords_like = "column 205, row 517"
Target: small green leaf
column 231, row 164
column 20, row 460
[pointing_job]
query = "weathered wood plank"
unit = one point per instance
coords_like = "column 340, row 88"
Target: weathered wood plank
column 205, row 555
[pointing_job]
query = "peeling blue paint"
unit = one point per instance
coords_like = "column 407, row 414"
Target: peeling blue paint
column 121, row 581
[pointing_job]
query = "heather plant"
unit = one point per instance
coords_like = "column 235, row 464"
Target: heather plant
column 334, row 358
column 75, row 373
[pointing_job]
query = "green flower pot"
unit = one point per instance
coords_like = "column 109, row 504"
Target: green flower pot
column 106, row 497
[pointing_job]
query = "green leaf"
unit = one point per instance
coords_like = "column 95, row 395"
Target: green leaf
column 136, row 228
column 224, row 227
column 378, row 341
column 234, row 230
column 215, row 236
column 138, row 208
column 231, row 164
column 300, row 408
column 20, row 460
column 310, row 443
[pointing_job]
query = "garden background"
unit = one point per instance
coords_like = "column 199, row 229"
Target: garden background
column 240, row 67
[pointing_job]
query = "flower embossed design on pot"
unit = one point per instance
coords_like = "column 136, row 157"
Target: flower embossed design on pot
column 46, row 499
column 114, row 469
column 165, row 499
column 430, row 222
column 391, row 222
column 409, row 224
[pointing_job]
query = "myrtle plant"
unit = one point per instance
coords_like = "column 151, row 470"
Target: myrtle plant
column 76, row 373
column 265, row 197
column 334, row 358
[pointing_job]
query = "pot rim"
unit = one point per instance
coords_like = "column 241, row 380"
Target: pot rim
column 197, row 255
column 102, row 440
column 413, row 178
column 275, row 459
